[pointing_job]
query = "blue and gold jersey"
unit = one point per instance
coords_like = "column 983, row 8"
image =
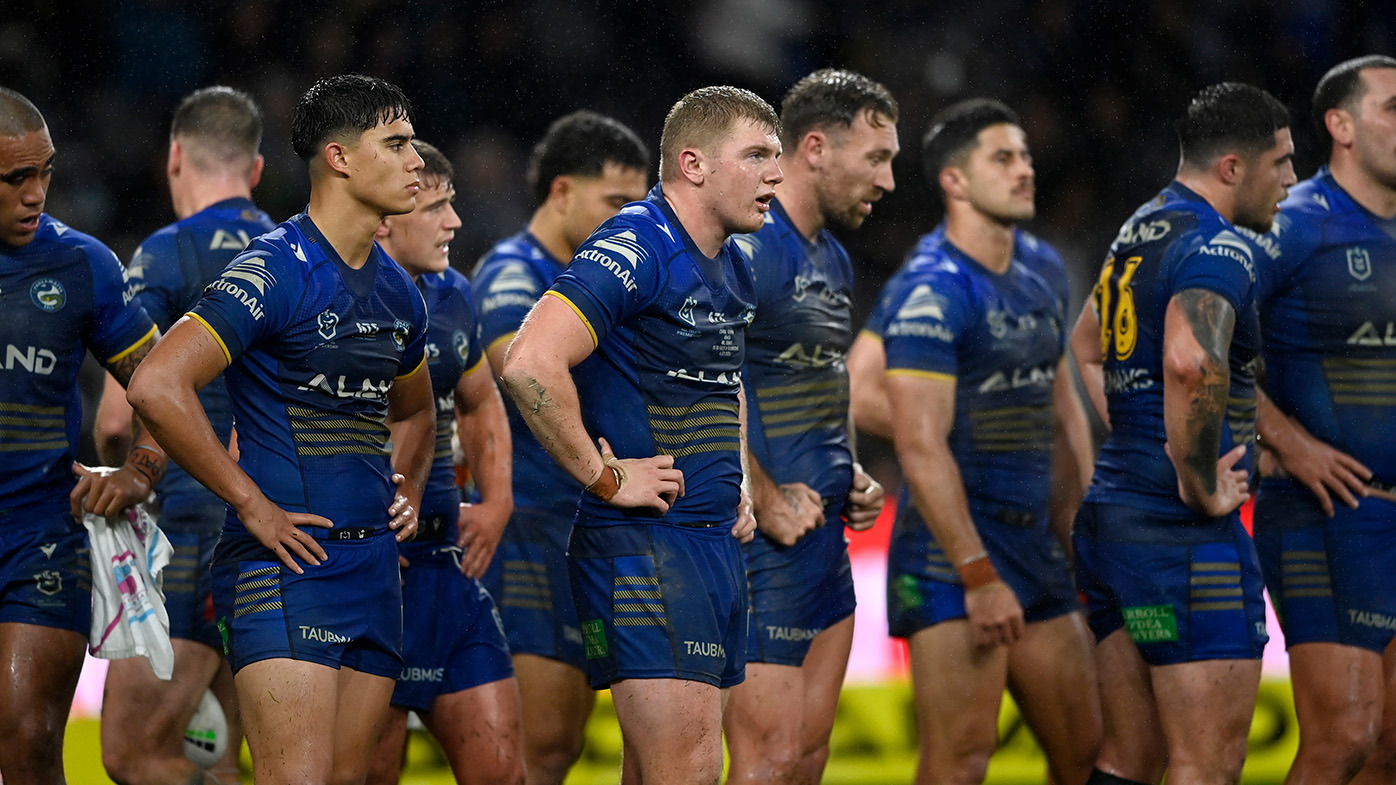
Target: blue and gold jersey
column 1328, row 314
column 507, row 283
column 998, row 338
column 876, row 324
column 669, row 326
column 61, row 295
column 796, row 381
column 168, row 272
column 1174, row 242
column 313, row 348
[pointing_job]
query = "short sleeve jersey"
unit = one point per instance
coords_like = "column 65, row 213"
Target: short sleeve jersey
column 169, row 271
column 313, row 347
column 796, row 378
column 1328, row 314
column 1174, row 242
column 876, row 324
column 61, row 295
column 670, row 327
column 999, row 338
column 507, row 283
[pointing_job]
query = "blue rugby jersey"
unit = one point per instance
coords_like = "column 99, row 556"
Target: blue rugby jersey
column 169, row 271
column 999, row 338
column 1176, row 241
column 61, row 295
column 876, row 324
column 796, row 379
column 508, row 281
column 313, row 348
column 670, row 326
column 1328, row 314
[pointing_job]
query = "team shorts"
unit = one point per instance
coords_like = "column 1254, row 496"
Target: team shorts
column 1185, row 590
column 187, row 582
column 924, row 589
column 1330, row 579
column 528, row 578
column 45, row 573
column 346, row 612
column 797, row 592
column 452, row 636
column 660, row 602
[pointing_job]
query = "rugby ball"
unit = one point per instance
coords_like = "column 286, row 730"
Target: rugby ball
column 206, row 738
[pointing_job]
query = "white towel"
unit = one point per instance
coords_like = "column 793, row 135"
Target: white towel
column 128, row 604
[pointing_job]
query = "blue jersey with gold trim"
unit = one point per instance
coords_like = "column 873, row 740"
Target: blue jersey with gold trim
column 796, row 381
column 169, row 271
column 876, row 323
column 453, row 351
column 1174, row 242
column 61, row 295
column 1328, row 314
column 999, row 338
column 313, row 347
column 670, row 327
column 507, row 283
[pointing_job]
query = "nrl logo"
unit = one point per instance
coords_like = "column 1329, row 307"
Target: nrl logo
column 1359, row 263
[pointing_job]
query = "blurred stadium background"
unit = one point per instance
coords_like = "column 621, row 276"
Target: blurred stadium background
column 1097, row 84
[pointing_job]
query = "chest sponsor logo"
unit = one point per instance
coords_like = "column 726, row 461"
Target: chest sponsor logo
column 48, row 294
column 1359, row 263
column 328, row 320
column 1136, row 233
column 31, row 359
column 1020, row 377
column 322, row 635
column 818, row 357
column 1373, row 334
column 224, row 240
column 341, row 387
column 706, row 377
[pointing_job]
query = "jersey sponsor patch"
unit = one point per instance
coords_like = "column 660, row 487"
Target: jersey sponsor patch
column 1151, row 623
column 1229, row 245
column 48, row 294
column 594, row 639
column 923, row 302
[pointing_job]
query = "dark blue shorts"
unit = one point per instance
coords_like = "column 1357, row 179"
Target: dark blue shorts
column 1331, row 579
column 529, row 580
column 45, row 575
column 1185, row 590
column 347, row 612
column 660, row 602
column 188, row 585
column 924, row 589
column 452, row 636
column 797, row 592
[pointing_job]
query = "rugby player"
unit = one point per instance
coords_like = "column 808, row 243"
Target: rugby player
column 324, row 340
column 839, row 134
column 662, row 301
column 584, row 169
column 1327, row 306
column 456, row 673
column 978, row 579
column 62, row 293
column 212, row 167
column 1168, row 347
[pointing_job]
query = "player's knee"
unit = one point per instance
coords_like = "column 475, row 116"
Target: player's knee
column 556, row 755
column 33, row 747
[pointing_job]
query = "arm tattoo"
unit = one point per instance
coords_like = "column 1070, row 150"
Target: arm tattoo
column 1212, row 320
column 124, row 367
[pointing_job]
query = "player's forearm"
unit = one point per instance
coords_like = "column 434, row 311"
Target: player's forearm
column 488, row 448
column 1197, row 381
column 414, row 444
column 1085, row 352
column 1276, row 430
column 547, row 399
column 112, row 429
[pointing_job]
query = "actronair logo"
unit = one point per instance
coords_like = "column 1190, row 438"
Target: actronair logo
column 1230, row 245
column 513, row 277
column 254, row 271
column 625, row 244
column 922, row 302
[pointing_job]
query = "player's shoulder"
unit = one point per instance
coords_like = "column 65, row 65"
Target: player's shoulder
column 55, row 236
column 1038, row 254
column 450, row 284
column 1318, row 198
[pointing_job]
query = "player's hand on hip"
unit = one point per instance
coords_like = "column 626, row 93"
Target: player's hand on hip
column 402, row 515
column 1232, row 489
column 864, row 500
column 745, row 527
column 481, row 526
column 643, row 482
column 995, row 617
column 107, row 492
column 1324, row 470
column 788, row 514
column 279, row 531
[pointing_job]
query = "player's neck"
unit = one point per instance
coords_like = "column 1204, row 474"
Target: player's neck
column 702, row 225
column 196, row 197
column 981, row 238
column 1217, row 194
column 800, row 201
column 347, row 223
column 547, row 227
column 1379, row 199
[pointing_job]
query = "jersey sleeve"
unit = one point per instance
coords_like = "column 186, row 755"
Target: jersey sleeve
column 156, row 277
column 1281, row 251
column 928, row 316
column 252, row 299
column 473, row 353
column 876, row 325
column 119, row 323
column 612, row 277
column 414, row 350
column 770, row 271
column 1224, row 264
column 505, row 292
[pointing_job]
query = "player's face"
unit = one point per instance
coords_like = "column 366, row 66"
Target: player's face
column 26, row 166
column 421, row 240
column 591, row 201
column 999, row 178
column 1266, row 183
column 1374, row 126
column 743, row 172
column 858, row 171
column 386, row 169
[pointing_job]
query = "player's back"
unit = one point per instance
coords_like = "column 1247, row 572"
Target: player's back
column 61, row 295
column 1176, row 241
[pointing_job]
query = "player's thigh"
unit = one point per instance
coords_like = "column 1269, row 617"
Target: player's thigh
column 288, row 715
column 360, row 711
column 675, row 717
column 480, row 731
column 385, row 768
column 137, row 705
column 40, row 673
column 958, row 687
column 1205, row 709
column 1132, row 746
column 1052, row 675
column 557, row 699
column 764, row 715
column 1337, row 691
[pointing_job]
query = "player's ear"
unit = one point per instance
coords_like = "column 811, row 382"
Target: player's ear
column 1230, row 168
column 176, row 158
column 381, row 233
column 335, row 156
column 255, row 176
column 813, row 145
column 692, row 166
column 952, row 182
column 561, row 188
column 1339, row 125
